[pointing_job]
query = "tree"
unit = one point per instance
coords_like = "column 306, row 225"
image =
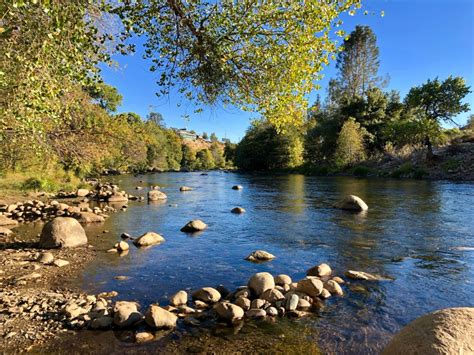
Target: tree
column 204, row 160
column 438, row 101
column 358, row 63
column 263, row 56
column 106, row 96
column 156, row 118
column 350, row 144
column 213, row 137
column 205, row 136
column 188, row 157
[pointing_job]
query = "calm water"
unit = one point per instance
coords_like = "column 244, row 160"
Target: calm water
column 413, row 232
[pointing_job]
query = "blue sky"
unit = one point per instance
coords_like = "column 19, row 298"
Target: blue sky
column 418, row 40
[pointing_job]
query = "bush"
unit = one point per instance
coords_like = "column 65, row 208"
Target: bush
column 361, row 171
column 39, row 184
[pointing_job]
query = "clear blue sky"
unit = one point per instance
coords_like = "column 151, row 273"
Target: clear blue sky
column 418, row 39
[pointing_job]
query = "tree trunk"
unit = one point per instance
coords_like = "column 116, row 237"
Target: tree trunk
column 429, row 153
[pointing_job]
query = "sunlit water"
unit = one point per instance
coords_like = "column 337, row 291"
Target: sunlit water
column 419, row 233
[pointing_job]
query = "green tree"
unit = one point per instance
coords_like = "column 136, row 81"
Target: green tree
column 204, row 160
column 263, row 57
column 350, row 144
column 188, row 157
column 213, row 137
column 205, row 136
column 358, row 63
column 438, row 101
column 106, row 96
column 156, row 118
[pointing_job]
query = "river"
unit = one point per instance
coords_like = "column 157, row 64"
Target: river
column 419, row 233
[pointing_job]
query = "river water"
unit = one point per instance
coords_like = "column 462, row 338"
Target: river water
column 419, row 233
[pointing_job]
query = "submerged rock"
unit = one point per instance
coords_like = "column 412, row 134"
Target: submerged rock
column 63, row 232
column 185, row 188
column 195, row 225
column 361, row 275
column 88, row 217
column 260, row 255
column 142, row 337
column 158, row 317
column 237, row 187
column 147, row 239
column 352, row 203
column 448, row 331
column 260, row 282
column 238, row 210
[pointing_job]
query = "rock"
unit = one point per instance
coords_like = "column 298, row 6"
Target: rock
column 5, row 231
column 333, row 287
column 243, row 303
column 325, row 294
column 260, row 255
column 82, row 193
column 207, row 294
column 272, row 295
column 260, row 282
column 237, row 187
column 200, row 304
column 147, row 239
column 194, row 226
column 63, row 232
column 157, row 317
column 122, row 246
column 117, row 197
column 179, row 298
column 229, row 311
column 352, row 203
column 5, row 221
column 255, row 313
column 282, row 280
column 60, row 262
column 339, row 280
column 311, row 286
column 101, row 322
column 238, row 210
column 88, row 217
column 46, row 258
column 126, row 314
column 142, row 337
column 258, row 303
column 320, row 270
column 185, row 188
column 361, row 275
column 303, row 304
column 272, row 311
column 292, row 302
column 156, row 195
column 448, row 331
column 126, row 236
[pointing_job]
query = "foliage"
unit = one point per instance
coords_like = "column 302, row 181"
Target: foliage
column 106, row 96
column 263, row 56
column 264, row 148
column 350, row 144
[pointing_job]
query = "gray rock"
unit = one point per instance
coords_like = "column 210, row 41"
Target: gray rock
column 229, row 311
column 238, row 210
column 361, row 275
column 46, row 258
column 258, row 303
column 260, row 255
column 194, row 226
column 260, row 282
column 255, row 313
column 88, row 217
column 282, row 280
column 272, row 295
column 157, row 317
column 333, row 287
column 126, row 314
column 310, row 286
column 272, row 311
column 62, row 232
column 60, row 262
column 147, row 239
column 243, row 303
column 292, row 302
column 156, row 195
column 352, row 203
column 142, row 337
column 207, row 294
column 179, row 298
column 320, row 270
column 185, row 188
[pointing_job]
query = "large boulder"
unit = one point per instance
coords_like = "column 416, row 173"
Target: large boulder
column 117, row 197
column 126, row 314
column 194, row 226
column 207, row 294
column 63, row 232
column 352, row 203
column 156, row 195
column 82, row 192
column 272, row 295
column 147, row 239
column 157, row 317
column 179, row 298
column 448, row 331
column 311, row 286
column 282, row 279
column 260, row 282
column 334, row 288
column 229, row 311
column 88, row 217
